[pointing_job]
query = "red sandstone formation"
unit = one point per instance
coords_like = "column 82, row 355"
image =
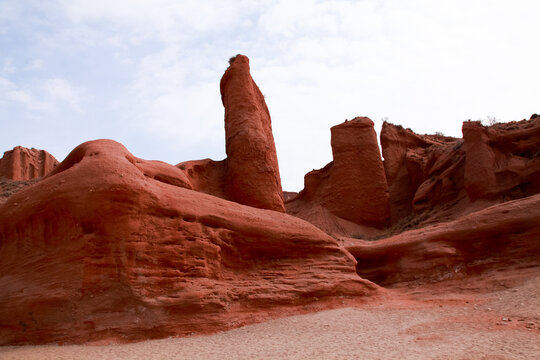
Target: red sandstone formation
column 502, row 161
column 501, row 237
column 26, row 164
column 352, row 188
column 357, row 183
column 113, row 247
column 419, row 168
column 446, row 176
column 439, row 180
column 252, row 168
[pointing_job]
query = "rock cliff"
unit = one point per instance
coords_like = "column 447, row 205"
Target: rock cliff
column 443, row 177
column 22, row 164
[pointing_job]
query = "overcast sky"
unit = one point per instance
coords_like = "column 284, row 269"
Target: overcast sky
column 146, row 73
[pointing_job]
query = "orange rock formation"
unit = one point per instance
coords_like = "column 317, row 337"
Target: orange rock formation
column 252, row 168
column 352, row 188
column 26, row 164
column 112, row 247
column 447, row 176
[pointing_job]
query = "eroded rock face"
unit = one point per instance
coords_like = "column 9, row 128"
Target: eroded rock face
column 501, row 237
column 423, row 171
column 252, row 168
column 503, row 160
column 353, row 186
column 22, row 164
column 448, row 176
column 110, row 246
column 358, row 188
column 207, row 176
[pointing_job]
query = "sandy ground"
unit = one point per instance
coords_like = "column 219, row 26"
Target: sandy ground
column 500, row 320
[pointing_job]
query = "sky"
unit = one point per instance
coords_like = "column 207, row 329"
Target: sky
column 146, row 73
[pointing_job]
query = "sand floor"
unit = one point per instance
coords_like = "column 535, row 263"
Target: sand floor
column 417, row 324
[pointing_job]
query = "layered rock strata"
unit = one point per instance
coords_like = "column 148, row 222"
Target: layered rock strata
column 114, row 247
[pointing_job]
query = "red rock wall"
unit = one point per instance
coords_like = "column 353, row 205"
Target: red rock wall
column 112, row 247
column 26, row 164
column 503, row 160
column 252, row 175
column 502, row 237
column 423, row 171
column 447, row 176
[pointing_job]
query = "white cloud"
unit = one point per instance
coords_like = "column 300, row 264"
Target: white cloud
column 159, row 20
column 33, row 65
column 172, row 100
column 7, row 67
column 60, row 92
column 47, row 96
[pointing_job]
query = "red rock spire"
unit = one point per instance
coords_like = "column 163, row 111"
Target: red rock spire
column 252, row 167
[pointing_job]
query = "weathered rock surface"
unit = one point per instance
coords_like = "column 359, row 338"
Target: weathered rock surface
column 353, row 186
column 503, row 160
column 418, row 169
column 207, row 176
column 22, row 164
column 445, row 177
column 252, row 172
column 499, row 237
column 9, row 187
column 113, row 247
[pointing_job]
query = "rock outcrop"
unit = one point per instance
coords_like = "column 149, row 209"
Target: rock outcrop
column 500, row 237
column 110, row 246
column 352, row 187
column 475, row 201
column 252, row 168
column 447, row 176
column 423, row 171
column 503, row 160
column 357, row 184
column 22, row 164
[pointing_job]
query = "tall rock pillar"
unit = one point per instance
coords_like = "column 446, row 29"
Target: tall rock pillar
column 358, row 188
column 252, row 175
